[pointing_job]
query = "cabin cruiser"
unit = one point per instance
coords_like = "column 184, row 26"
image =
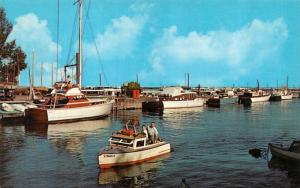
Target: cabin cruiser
column 127, row 149
column 281, row 95
column 254, row 96
column 173, row 97
column 67, row 103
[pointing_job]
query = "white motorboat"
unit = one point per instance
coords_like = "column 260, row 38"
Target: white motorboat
column 172, row 98
column 127, row 150
column 253, row 97
column 7, row 107
column 67, row 104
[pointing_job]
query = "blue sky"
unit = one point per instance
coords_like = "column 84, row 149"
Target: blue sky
column 220, row 43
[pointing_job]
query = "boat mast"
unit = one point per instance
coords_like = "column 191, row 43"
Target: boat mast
column 80, row 44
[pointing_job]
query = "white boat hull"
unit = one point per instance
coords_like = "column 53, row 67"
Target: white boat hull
column 287, row 97
column 183, row 104
column 69, row 114
column 108, row 160
column 260, row 99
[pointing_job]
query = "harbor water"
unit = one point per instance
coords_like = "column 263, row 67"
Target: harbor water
column 210, row 149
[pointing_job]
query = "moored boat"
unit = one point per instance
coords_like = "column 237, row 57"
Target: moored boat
column 130, row 149
column 252, row 97
column 291, row 153
column 172, row 98
column 67, row 104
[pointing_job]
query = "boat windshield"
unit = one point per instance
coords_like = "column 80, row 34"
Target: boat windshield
column 295, row 147
column 121, row 141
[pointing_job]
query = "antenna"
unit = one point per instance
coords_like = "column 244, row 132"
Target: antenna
column 57, row 40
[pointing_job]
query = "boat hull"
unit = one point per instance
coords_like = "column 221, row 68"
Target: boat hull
column 281, row 153
column 57, row 115
column 108, row 160
column 275, row 98
column 248, row 100
column 213, row 102
column 260, row 99
column 287, row 97
column 183, row 104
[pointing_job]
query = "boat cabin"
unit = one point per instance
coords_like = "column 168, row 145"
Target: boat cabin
column 120, row 140
column 176, row 94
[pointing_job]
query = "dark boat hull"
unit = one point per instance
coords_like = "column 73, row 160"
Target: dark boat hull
column 283, row 153
column 275, row 98
column 212, row 102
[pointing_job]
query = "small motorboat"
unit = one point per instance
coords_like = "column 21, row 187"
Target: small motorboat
column 7, row 107
column 130, row 149
column 292, row 153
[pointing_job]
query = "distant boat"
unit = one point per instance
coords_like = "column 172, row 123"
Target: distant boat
column 292, row 153
column 173, row 97
column 213, row 102
column 286, row 95
column 254, row 96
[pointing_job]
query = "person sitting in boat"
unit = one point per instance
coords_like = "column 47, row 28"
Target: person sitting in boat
column 127, row 130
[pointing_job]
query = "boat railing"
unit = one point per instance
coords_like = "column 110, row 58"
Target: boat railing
column 93, row 102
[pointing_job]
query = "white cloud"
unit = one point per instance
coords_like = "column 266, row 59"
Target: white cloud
column 32, row 33
column 248, row 46
column 120, row 37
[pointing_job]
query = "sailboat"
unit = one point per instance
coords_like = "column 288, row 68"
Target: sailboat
column 287, row 95
column 67, row 103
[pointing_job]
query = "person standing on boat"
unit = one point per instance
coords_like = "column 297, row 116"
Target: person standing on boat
column 151, row 133
column 145, row 132
column 155, row 132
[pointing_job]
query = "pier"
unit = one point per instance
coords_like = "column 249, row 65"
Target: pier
column 124, row 103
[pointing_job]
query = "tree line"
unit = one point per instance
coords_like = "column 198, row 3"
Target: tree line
column 12, row 57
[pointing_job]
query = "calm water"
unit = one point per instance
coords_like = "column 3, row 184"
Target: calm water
column 210, row 150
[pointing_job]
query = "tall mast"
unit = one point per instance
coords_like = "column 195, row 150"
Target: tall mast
column 41, row 74
column 52, row 75
column 32, row 67
column 57, row 40
column 80, row 43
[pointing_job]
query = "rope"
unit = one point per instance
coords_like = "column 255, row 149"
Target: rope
column 96, row 47
column 72, row 38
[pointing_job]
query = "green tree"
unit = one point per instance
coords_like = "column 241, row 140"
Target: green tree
column 129, row 87
column 12, row 57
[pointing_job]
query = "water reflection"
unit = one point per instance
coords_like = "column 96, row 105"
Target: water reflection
column 71, row 137
column 39, row 130
column 291, row 169
column 132, row 176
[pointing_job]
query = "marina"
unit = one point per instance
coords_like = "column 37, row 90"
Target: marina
column 223, row 135
column 146, row 94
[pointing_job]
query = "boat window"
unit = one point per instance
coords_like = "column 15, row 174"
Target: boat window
column 140, row 143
